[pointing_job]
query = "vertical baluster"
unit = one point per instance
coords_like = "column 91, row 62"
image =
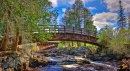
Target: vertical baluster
column 73, row 34
column 88, row 34
column 73, row 30
column 81, row 33
column 64, row 31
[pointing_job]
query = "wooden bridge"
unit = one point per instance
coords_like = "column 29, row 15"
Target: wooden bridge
column 64, row 33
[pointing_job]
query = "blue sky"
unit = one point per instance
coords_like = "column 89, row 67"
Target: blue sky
column 104, row 11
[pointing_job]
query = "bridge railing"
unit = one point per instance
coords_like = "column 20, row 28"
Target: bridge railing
column 73, row 30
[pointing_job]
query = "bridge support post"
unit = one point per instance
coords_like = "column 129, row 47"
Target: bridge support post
column 78, row 44
column 72, row 44
column 84, row 44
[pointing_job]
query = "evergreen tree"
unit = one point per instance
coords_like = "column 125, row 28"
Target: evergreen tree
column 78, row 13
column 77, row 16
column 121, row 19
column 129, row 21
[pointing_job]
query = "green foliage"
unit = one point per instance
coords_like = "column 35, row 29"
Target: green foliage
column 105, row 36
column 24, row 16
column 118, row 44
column 115, row 40
column 78, row 15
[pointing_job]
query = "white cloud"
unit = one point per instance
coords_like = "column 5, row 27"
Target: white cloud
column 63, row 9
column 91, row 8
column 113, row 5
column 54, row 3
column 103, row 19
column 84, row 1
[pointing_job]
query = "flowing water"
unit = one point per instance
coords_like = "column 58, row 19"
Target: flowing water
column 58, row 64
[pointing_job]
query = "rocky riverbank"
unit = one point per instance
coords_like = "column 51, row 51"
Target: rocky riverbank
column 60, row 60
column 75, row 63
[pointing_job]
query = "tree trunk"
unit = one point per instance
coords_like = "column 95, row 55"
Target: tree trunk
column 4, row 45
column 5, row 40
column 16, row 41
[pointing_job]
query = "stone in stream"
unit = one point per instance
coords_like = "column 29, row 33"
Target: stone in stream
column 81, row 62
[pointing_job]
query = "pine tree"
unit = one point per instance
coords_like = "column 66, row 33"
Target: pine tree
column 121, row 19
column 78, row 15
column 129, row 21
column 78, row 9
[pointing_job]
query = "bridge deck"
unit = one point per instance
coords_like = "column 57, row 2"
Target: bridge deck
column 63, row 33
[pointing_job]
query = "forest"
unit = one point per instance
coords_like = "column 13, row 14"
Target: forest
column 28, row 26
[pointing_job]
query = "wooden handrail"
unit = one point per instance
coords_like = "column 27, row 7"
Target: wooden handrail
column 64, row 29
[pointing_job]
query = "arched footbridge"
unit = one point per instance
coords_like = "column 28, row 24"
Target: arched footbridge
column 64, row 33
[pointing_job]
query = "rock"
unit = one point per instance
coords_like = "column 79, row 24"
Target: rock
column 10, row 69
column 1, row 69
column 119, row 57
column 106, row 58
column 96, row 57
column 85, row 50
column 46, row 54
column 124, row 66
column 124, row 60
column 39, row 62
column 81, row 62
column 53, row 55
column 91, row 57
column 128, row 62
column 103, row 54
column 99, row 68
column 128, row 55
column 83, row 68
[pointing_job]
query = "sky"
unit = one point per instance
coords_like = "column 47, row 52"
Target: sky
column 105, row 12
